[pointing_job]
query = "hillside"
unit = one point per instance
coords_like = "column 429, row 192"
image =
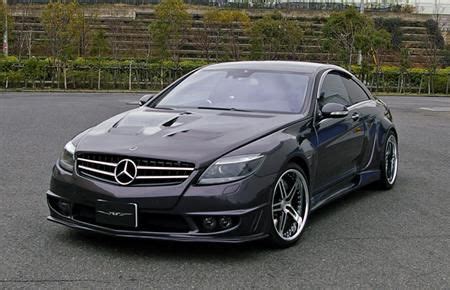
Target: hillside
column 126, row 28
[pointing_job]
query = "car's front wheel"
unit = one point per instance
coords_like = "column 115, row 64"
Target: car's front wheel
column 289, row 206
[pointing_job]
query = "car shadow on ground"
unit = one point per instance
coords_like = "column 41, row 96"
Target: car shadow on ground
column 168, row 250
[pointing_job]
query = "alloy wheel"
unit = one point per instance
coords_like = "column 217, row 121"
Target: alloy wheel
column 290, row 204
column 391, row 159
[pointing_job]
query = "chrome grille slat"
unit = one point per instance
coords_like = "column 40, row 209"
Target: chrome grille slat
column 98, row 162
column 163, row 177
column 96, row 170
column 164, row 168
column 149, row 171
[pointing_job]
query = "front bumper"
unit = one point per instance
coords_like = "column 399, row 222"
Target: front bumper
column 230, row 236
column 245, row 201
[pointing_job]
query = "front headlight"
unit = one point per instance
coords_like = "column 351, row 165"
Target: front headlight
column 67, row 159
column 233, row 168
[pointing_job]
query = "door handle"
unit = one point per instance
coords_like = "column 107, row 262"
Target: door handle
column 355, row 116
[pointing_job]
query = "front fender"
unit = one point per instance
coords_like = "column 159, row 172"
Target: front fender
column 294, row 143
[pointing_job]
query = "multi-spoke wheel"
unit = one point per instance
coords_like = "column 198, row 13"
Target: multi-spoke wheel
column 290, row 206
column 389, row 163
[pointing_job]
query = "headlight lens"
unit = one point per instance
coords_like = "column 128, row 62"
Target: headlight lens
column 233, row 168
column 67, row 159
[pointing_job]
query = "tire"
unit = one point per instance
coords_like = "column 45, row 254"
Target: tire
column 389, row 162
column 289, row 206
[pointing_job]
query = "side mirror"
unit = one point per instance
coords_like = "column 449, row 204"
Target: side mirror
column 334, row 110
column 145, row 98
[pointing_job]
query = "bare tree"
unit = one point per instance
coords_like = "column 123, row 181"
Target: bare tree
column 235, row 23
column 23, row 39
column 207, row 35
column 434, row 42
column 116, row 35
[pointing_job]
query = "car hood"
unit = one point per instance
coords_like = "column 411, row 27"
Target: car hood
column 197, row 136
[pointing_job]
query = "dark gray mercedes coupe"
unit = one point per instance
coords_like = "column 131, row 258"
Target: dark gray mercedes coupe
column 230, row 152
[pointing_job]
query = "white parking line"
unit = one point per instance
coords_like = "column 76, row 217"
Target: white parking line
column 437, row 109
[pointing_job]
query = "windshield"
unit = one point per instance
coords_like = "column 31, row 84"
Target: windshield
column 240, row 89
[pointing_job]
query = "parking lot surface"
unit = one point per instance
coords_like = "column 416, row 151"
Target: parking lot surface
column 369, row 239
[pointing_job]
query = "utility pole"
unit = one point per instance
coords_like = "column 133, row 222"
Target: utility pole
column 5, row 33
column 361, row 10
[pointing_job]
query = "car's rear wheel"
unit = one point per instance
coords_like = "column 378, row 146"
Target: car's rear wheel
column 389, row 163
column 289, row 206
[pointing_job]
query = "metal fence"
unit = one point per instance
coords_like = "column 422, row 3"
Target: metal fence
column 143, row 77
column 123, row 77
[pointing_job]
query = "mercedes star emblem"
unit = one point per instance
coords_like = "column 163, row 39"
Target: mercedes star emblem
column 125, row 172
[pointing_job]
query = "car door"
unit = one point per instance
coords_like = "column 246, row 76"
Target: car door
column 339, row 140
column 367, row 110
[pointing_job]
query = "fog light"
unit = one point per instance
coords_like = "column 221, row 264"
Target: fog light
column 209, row 223
column 65, row 208
column 225, row 222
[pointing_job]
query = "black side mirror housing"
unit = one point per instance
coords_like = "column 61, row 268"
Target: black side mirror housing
column 145, row 98
column 334, row 110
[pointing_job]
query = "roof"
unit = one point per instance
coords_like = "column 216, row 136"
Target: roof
column 294, row 66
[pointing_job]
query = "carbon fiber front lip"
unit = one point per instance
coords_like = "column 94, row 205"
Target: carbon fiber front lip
column 184, row 237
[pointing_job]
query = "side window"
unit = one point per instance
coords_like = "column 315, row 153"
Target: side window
column 357, row 94
column 333, row 90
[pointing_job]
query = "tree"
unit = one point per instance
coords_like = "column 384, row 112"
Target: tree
column 99, row 45
column 393, row 26
column 434, row 42
column 61, row 25
column 24, row 35
column 169, row 29
column 234, row 22
column 207, row 36
column 272, row 37
column 8, row 24
column 341, row 32
column 373, row 43
column 220, row 33
column 445, row 61
column 117, row 30
column 82, row 23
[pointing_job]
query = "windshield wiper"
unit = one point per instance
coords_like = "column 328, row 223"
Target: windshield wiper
column 223, row 109
column 182, row 112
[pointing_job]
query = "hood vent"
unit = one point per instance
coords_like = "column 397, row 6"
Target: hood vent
column 170, row 122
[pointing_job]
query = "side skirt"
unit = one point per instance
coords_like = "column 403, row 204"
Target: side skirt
column 362, row 179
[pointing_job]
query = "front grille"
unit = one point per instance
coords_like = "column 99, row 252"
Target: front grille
column 149, row 171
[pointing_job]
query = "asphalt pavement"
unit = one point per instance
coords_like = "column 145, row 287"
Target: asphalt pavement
column 368, row 239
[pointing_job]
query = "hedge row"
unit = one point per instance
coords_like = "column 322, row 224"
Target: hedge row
column 91, row 73
column 126, row 74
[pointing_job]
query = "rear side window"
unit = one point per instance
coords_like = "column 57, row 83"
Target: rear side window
column 357, row 94
column 333, row 90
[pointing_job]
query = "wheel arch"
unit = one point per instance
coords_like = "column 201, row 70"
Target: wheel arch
column 393, row 130
column 386, row 134
column 300, row 161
